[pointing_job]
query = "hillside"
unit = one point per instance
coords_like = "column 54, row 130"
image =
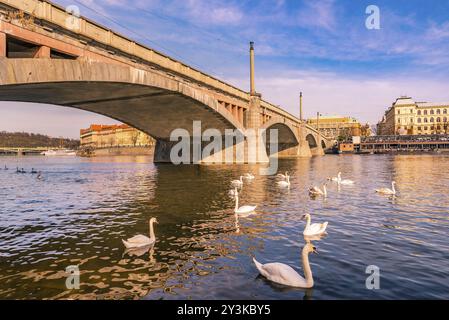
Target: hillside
column 32, row 140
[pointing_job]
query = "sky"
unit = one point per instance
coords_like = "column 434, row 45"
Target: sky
column 320, row 47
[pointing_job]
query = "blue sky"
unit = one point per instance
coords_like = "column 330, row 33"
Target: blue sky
column 320, row 47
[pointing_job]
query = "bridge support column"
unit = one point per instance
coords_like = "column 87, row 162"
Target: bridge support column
column 244, row 150
column 255, row 150
column 2, row 45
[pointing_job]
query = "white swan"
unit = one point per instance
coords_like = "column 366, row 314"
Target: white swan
column 315, row 191
column 233, row 192
column 283, row 176
column 345, row 181
column 335, row 179
column 391, row 191
column 314, row 229
column 249, row 176
column 284, row 184
column 286, row 275
column 238, row 182
column 244, row 210
column 140, row 241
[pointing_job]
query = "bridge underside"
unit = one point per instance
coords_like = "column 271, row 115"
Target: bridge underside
column 154, row 111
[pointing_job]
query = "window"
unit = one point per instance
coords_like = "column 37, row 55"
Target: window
column 419, row 128
column 445, row 111
column 411, row 120
column 411, row 110
column 419, row 112
column 419, row 120
column 399, row 120
column 438, row 119
column 432, row 112
column 425, row 128
column 425, row 112
column 432, row 119
column 438, row 111
column 399, row 111
column 444, row 119
column 425, row 120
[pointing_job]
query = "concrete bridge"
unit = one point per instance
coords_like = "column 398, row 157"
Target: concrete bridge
column 50, row 56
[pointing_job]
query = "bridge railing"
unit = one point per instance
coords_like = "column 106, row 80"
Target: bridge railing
column 57, row 15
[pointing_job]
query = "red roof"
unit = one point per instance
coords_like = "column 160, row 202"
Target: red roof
column 104, row 127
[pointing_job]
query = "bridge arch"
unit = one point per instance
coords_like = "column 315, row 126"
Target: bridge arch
column 149, row 101
column 287, row 135
column 310, row 138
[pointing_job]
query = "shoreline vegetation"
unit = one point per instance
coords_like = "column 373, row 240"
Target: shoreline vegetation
column 34, row 140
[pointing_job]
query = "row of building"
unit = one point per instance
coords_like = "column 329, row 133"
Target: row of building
column 404, row 117
column 407, row 117
column 99, row 136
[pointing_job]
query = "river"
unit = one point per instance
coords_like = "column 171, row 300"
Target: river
column 82, row 208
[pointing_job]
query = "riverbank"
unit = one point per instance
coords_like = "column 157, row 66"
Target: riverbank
column 116, row 151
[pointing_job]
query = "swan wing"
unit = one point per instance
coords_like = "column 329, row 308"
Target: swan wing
column 139, row 239
column 246, row 209
column 315, row 227
column 281, row 273
column 384, row 190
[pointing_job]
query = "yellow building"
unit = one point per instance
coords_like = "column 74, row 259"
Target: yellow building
column 110, row 136
column 407, row 117
column 338, row 127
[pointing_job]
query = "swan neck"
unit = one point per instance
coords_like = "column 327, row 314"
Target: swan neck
column 309, row 220
column 152, row 236
column 393, row 188
column 236, row 203
column 306, row 266
column 325, row 190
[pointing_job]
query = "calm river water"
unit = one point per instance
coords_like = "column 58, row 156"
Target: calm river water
column 80, row 211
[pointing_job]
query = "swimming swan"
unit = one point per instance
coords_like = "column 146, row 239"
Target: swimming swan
column 314, row 229
column 284, row 184
column 140, row 241
column 315, row 191
column 335, row 179
column 391, row 191
column 345, row 181
column 286, row 275
column 249, row 176
column 244, row 210
column 238, row 182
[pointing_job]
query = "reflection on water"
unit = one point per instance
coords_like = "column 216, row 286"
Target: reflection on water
column 80, row 211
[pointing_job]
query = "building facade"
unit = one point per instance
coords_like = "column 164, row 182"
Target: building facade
column 339, row 128
column 407, row 117
column 109, row 136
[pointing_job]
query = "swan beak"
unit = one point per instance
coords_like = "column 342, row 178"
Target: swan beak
column 155, row 221
column 303, row 217
column 315, row 250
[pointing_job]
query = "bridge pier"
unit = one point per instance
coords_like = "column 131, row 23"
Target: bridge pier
column 249, row 149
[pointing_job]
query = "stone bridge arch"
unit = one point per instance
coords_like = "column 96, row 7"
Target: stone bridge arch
column 152, row 102
column 287, row 135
